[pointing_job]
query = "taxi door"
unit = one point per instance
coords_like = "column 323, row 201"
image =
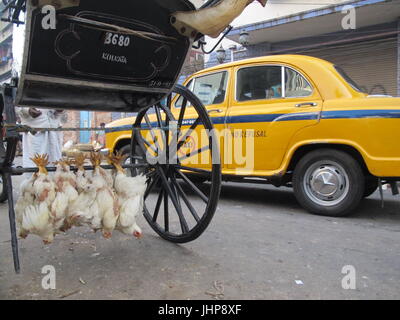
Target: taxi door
column 270, row 104
column 212, row 90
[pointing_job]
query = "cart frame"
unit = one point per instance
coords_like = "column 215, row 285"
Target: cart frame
column 172, row 193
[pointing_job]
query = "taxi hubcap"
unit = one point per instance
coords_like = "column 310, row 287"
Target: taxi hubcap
column 326, row 183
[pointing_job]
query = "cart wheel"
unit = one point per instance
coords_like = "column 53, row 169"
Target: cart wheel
column 3, row 190
column 161, row 139
column 3, row 148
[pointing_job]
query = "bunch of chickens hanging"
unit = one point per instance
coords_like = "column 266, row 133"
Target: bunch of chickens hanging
column 103, row 200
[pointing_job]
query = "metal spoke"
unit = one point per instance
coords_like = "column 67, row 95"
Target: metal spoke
column 159, row 118
column 169, row 99
column 142, row 148
column 174, row 200
column 151, row 186
column 188, row 133
column 182, row 112
column 146, row 118
column 166, row 213
column 192, row 186
column 191, row 154
column 197, row 170
column 182, row 220
column 186, row 200
column 173, row 187
column 150, row 146
column 166, row 138
column 158, row 205
column 151, row 174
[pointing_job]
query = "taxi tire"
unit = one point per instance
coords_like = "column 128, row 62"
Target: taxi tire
column 371, row 185
column 355, row 176
column 126, row 151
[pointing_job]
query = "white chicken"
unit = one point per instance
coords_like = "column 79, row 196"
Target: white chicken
column 26, row 199
column 84, row 207
column 36, row 218
column 108, row 176
column 130, row 192
column 82, row 179
column 106, row 201
column 65, row 181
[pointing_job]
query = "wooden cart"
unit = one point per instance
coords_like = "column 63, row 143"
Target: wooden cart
column 117, row 56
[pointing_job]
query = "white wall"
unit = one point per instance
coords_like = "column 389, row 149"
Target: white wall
column 197, row 3
column 279, row 8
column 274, row 9
column 18, row 45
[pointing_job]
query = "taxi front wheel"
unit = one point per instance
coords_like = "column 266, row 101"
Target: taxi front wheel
column 328, row 182
column 126, row 152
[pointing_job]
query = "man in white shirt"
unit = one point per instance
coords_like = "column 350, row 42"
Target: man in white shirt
column 49, row 142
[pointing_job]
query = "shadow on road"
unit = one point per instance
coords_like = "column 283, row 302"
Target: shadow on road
column 284, row 199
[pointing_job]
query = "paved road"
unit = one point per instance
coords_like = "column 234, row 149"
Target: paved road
column 258, row 245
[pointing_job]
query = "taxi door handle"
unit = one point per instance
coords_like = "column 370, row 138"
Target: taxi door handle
column 307, row 104
column 214, row 111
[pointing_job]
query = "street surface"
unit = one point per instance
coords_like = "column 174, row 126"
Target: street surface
column 260, row 245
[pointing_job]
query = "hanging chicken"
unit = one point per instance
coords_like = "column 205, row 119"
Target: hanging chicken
column 84, row 207
column 37, row 218
column 82, row 179
column 65, row 182
column 107, row 175
column 27, row 198
column 106, row 204
column 130, row 192
column 213, row 20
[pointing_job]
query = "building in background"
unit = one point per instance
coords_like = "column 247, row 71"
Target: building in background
column 87, row 119
column 194, row 62
column 6, row 42
column 369, row 53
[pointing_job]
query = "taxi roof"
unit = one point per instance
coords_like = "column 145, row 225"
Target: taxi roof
column 321, row 73
column 295, row 59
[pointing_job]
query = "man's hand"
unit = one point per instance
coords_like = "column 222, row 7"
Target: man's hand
column 34, row 113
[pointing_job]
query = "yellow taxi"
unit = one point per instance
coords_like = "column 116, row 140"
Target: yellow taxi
column 309, row 125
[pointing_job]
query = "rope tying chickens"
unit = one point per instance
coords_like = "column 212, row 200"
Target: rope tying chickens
column 103, row 200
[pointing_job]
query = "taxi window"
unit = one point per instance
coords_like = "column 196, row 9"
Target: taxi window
column 296, row 85
column 349, row 80
column 211, row 89
column 178, row 103
column 259, row 83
